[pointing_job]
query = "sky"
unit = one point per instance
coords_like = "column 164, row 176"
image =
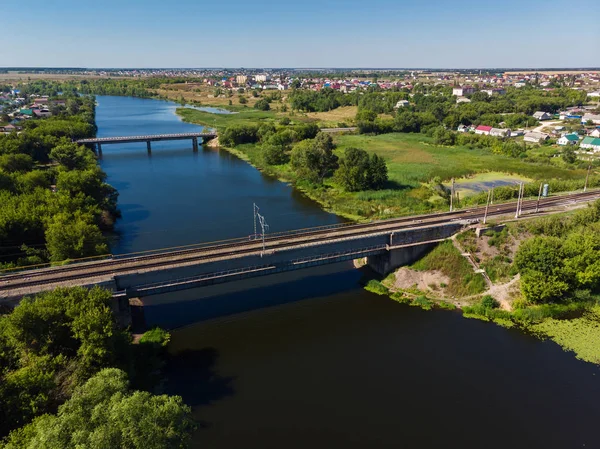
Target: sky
column 301, row 33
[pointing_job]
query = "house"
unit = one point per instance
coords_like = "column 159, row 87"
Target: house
column 535, row 137
column 498, row 132
column 462, row 91
column 568, row 139
column 496, row 90
column 517, row 132
column 462, row 100
column 482, row 129
column 540, row 115
column 401, row 104
column 594, row 94
column 463, row 129
column 10, row 128
column 590, row 143
column 595, row 133
column 594, row 118
column 27, row 112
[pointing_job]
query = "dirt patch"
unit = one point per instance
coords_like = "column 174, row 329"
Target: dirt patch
column 423, row 280
column 505, row 293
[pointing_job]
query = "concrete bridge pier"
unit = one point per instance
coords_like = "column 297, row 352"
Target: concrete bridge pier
column 394, row 258
column 149, row 146
column 99, row 149
column 195, row 144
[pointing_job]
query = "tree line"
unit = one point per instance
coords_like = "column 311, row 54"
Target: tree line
column 310, row 154
column 55, row 199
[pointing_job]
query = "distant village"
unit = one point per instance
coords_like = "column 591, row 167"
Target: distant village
column 15, row 109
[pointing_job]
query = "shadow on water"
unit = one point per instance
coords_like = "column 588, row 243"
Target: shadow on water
column 192, row 376
column 188, row 307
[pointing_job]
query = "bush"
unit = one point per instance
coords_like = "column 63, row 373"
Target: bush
column 488, row 302
column 376, row 287
column 262, row 105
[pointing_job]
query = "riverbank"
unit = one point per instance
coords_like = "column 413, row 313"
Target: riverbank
column 489, row 278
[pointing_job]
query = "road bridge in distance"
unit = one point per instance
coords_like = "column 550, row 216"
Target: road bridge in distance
column 387, row 245
column 97, row 142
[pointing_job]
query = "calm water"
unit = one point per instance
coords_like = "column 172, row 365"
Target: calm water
column 178, row 197
column 308, row 359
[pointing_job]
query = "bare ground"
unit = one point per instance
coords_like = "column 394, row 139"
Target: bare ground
column 407, row 278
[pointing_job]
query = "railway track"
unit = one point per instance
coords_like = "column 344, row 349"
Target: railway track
column 241, row 247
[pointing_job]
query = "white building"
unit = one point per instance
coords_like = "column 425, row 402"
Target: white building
column 535, row 137
column 499, row 132
column 568, row 139
column 401, row 104
column 462, row 91
column 594, row 118
column 262, row 78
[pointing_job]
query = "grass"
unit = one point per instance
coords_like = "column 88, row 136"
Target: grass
column 447, row 259
column 247, row 115
column 376, row 287
column 413, row 159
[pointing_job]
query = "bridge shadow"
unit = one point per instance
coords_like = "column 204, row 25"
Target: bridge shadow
column 200, row 304
column 191, row 374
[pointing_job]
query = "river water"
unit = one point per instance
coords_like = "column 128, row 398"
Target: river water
column 309, row 359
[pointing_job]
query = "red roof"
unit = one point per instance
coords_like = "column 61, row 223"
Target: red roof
column 483, row 128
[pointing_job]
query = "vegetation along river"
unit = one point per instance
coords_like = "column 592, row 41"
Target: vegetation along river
column 309, row 359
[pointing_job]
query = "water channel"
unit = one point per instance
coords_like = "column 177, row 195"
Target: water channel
column 308, row 359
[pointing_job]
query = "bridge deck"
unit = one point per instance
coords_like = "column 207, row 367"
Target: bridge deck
column 281, row 249
column 151, row 137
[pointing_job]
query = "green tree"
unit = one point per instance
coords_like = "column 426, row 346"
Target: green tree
column 569, row 155
column 74, row 237
column 72, row 156
column 313, row 159
column 12, row 163
column 262, row 105
column 104, row 413
column 358, row 171
column 243, row 100
column 274, row 154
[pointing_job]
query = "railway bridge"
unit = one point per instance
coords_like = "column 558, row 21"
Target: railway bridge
column 97, row 142
column 386, row 244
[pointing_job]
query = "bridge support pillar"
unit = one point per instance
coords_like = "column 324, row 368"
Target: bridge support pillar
column 384, row 264
column 99, row 149
column 195, row 144
column 149, row 147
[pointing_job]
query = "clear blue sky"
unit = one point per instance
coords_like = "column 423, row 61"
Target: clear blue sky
column 301, row 33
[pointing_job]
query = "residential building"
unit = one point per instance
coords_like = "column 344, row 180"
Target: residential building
column 401, row 104
column 262, row 78
column 535, row 137
column 462, row 91
column 594, row 94
column 482, row 129
column 241, row 80
column 568, row 139
column 463, row 129
column 590, row 143
column 496, row 90
column 595, row 133
column 594, row 118
column 540, row 115
column 499, row 132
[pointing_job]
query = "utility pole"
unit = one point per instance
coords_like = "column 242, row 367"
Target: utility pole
column 264, row 227
column 587, row 177
column 487, row 205
column 492, row 199
column 452, row 196
column 518, row 200
column 255, row 214
column 537, row 206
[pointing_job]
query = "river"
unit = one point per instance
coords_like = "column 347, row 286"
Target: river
column 309, row 359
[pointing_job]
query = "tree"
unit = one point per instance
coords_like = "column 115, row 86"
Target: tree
column 12, row 163
column 313, row 159
column 262, row 105
column 74, row 237
column 569, row 155
column 358, row 171
column 274, row 154
column 72, row 156
column 243, row 100
column 104, row 413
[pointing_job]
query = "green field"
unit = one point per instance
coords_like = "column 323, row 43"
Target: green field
column 416, row 166
column 413, row 159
